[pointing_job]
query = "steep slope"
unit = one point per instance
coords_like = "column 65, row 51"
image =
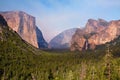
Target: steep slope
column 23, row 24
column 106, row 35
column 17, row 57
column 62, row 40
column 114, row 47
column 78, row 40
column 10, row 41
column 96, row 32
column 41, row 41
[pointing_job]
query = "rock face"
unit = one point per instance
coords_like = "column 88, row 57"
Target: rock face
column 78, row 40
column 23, row 24
column 95, row 25
column 41, row 41
column 2, row 21
column 95, row 33
column 3, row 24
column 62, row 40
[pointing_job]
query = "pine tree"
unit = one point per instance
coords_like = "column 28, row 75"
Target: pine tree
column 108, row 64
column 93, row 73
column 83, row 71
column 69, row 75
column 50, row 76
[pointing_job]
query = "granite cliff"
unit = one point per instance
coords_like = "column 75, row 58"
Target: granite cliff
column 40, row 39
column 96, row 32
column 24, row 24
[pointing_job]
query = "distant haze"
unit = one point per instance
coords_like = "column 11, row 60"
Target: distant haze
column 55, row 16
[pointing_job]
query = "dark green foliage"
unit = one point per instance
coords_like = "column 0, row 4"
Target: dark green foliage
column 50, row 76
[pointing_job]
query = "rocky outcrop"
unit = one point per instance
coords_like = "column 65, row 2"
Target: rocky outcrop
column 78, row 40
column 96, row 32
column 95, row 25
column 106, row 35
column 62, row 40
column 23, row 24
column 40, row 40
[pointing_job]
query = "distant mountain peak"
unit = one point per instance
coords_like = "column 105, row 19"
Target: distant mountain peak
column 101, row 20
column 62, row 40
column 13, row 12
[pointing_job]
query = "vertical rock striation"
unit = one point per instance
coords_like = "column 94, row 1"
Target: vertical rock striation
column 23, row 24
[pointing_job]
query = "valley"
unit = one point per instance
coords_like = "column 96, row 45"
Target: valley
column 22, row 60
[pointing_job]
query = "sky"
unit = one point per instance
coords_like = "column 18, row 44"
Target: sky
column 55, row 16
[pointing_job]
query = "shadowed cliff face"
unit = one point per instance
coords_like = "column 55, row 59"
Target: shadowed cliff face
column 2, row 21
column 41, row 41
column 96, row 32
column 3, row 24
column 23, row 24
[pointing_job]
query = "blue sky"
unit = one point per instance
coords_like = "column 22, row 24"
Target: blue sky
column 55, row 16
